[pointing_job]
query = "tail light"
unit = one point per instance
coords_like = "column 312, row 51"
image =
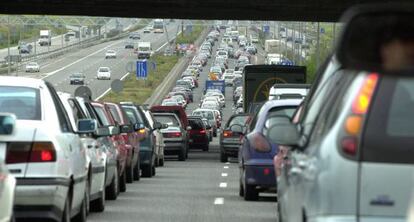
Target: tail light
column 227, row 133
column 21, row 152
column 354, row 122
column 259, row 142
column 202, row 131
column 172, row 135
column 141, row 131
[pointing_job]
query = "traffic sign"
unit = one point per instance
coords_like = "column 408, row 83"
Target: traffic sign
column 142, row 69
column 266, row 28
column 322, row 30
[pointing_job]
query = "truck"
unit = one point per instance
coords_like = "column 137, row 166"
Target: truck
column 259, row 79
column 216, row 84
column 274, row 46
column 143, row 50
column 45, row 38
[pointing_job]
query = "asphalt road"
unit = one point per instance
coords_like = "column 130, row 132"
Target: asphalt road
column 199, row 189
column 88, row 60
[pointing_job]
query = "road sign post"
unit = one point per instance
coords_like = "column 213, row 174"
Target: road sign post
column 142, row 69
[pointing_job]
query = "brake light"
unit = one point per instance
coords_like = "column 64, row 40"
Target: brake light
column 202, row 131
column 227, row 133
column 259, row 142
column 43, row 152
column 354, row 122
column 172, row 135
column 21, row 152
column 266, row 171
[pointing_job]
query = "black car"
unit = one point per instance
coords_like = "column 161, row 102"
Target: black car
column 135, row 36
column 229, row 140
column 77, row 79
column 129, row 45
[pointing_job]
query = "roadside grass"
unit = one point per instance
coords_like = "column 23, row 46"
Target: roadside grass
column 191, row 37
column 138, row 91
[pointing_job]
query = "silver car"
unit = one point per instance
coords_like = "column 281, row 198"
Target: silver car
column 7, row 181
column 45, row 154
column 352, row 159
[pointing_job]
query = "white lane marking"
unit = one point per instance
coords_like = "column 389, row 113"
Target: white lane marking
column 81, row 59
column 108, row 90
column 224, row 174
column 226, row 167
column 223, row 185
column 219, row 201
column 227, row 163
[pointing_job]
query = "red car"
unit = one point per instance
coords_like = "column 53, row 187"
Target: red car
column 118, row 141
column 198, row 134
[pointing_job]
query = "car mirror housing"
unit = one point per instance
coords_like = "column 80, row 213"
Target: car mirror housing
column 126, row 129
column 157, row 125
column 283, row 132
column 7, row 124
column 114, row 130
column 87, row 126
column 103, row 132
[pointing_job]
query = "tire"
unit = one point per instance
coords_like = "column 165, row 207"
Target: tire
column 81, row 216
column 66, row 210
column 98, row 205
column 153, row 171
column 161, row 163
column 205, row 148
column 182, row 155
column 223, row 157
column 279, row 216
column 122, row 182
column 129, row 174
column 137, row 171
column 113, row 189
column 147, row 171
column 241, row 190
column 250, row 193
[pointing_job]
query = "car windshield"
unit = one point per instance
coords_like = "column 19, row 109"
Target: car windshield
column 204, row 114
column 196, row 124
column 169, row 120
column 103, row 70
column 24, row 102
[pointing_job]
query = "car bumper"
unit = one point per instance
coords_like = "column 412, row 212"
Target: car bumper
column 262, row 175
column 231, row 149
column 194, row 142
column 41, row 198
column 344, row 218
column 174, row 146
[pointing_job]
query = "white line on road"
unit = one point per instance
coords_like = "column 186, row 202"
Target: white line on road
column 224, row 174
column 226, row 167
column 219, row 201
column 223, row 185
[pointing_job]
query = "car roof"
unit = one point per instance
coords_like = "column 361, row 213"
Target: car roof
column 21, row 81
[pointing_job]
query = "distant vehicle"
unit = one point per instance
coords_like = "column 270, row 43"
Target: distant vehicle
column 230, row 141
column 110, row 54
column 158, row 26
column 24, row 48
column 32, row 67
column 77, row 78
column 228, row 78
column 129, row 45
column 209, row 115
column 147, row 29
column 288, row 91
column 144, row 50
column 104, row 73
column 254, row 38
column 198, row 134
column 45, row 38
column 134, row 36
column 169, row 102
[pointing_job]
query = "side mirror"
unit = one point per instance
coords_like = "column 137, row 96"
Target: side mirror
column 102, row 132
column 237, row 128
column 7, row 124
column 189, row 128
column 164, row 126
column 139, row 126
column 283, row 132
column 114, row 130
column 157, row 125
column 126, row 129
column 87, row 126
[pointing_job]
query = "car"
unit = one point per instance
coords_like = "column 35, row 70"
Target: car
column 237, row 93
column 32, row 67
column 175, row 135
column 46, row 135
column 77, row 78
column 7, row 181
column 210, row 105
column 228, row 78
column 256, row 148
column 198, row 134
column 219, row 95
column 288, row 91
column 147, row 29
column 110, row 54
column 183, row 83
column 213, row 99
column 254, row 38
column 209, row 129
column 251, row 49
column 135, row 36
column 118, row 183
column 130, row 139
column 96, row 152
column 170, row 102
column 103, row 73
column 180, row 99
column 223, row 53
column 230, row 141
column 129, row 45
column 209, row 115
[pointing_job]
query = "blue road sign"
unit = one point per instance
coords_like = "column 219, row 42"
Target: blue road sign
column 142, row 69
column 266, row 28
column 322, row 30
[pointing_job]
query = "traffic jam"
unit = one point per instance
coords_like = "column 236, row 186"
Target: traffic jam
column 335, row 149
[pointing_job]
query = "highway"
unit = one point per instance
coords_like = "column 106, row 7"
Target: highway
column 197, row 190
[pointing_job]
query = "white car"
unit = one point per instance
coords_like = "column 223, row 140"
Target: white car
column 110, row 54
column 32, row 67
column 96, row 153
column 104, row 73
column 210, row 105
column 222, row 53
column 254, row 39
column 45, row 154
column 7, row 181
column 228, row 79
column 169, row 102
column 147, row 29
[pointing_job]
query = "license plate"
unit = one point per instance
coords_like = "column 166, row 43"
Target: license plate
column 3, row 147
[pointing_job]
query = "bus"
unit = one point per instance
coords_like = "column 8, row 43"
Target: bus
column 158, row 26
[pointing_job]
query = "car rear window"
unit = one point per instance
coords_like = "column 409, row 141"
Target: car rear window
column 285, row 111
column 240, row 120
column 389, row 132
column 24, row 102
column 169, row 120
column 196, row 124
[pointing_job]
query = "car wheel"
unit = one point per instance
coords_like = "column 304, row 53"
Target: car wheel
column 241, row 189
column 205, row 148
column 161, row 163
column 81, row 217
column 122, row 182
column 223, row 157
column 66, row 210
column 279, row 215
column 129, row 174
column 98, row 205
column 250, row 192
column 147, row 171
column 153, row 171
column 113, row 189
column 137, row 171
column 181, row 155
